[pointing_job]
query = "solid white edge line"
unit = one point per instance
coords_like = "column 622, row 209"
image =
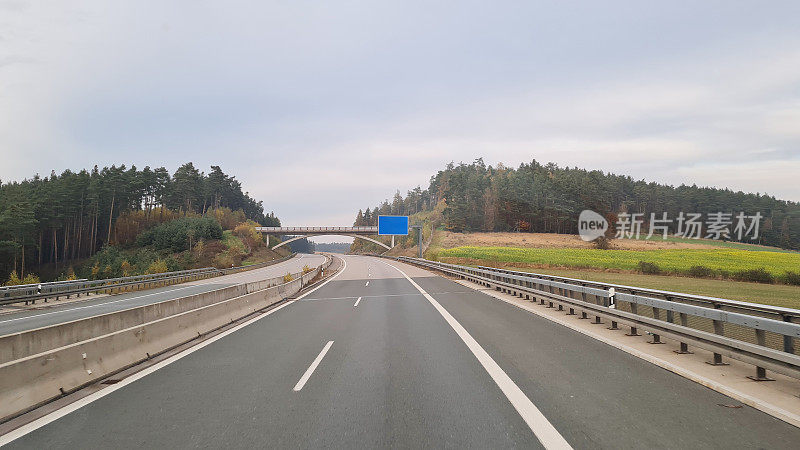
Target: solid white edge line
column 312, row 367
column 59, row 413
column 538, row 423
column 357, row 301
column 776, row 411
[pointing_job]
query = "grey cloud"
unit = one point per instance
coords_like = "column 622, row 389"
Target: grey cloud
column 342, row 104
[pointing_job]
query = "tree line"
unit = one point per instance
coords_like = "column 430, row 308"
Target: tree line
column 61, row 218
column 547, row 198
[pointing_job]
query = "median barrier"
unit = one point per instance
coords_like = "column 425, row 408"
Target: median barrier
column 122, row 339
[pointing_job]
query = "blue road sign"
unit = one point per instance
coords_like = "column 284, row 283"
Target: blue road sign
column 392, row 225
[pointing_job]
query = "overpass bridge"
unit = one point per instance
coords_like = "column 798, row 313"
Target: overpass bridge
column 305, row 232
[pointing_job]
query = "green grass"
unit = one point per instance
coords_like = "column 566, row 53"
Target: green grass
column 674, row 261
column 718, row 243
column 776, row 295
column 232, row 241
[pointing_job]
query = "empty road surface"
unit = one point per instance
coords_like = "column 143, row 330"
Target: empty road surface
column 375, row 359
column 53, row 313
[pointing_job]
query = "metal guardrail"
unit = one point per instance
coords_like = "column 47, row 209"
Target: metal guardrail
column 46, row 283
column 44, row 291
column 18, row 290
column 761, row 335
column 732, row 305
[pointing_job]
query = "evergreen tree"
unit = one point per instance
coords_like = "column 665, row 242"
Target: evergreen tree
column 60, row 218
column 548, row 198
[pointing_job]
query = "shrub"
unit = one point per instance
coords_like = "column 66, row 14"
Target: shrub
column 173, row 264
column 307, row 269
column 186, row 259
column 223, row 260
column 178, row 235
column 158, row 266
column 649, row 268
column 227, row 218
column 601, row 243
column 287, row 278
column 234, row 244
column 31, row 279
column 130, row 224
column 791, row 278
column 759, row 275
column 700, row 272
column 95, row 270
column 126, row 268
column 246, row 231
column 13, row 279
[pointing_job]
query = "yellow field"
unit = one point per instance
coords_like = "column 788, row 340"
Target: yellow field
column 721, row 261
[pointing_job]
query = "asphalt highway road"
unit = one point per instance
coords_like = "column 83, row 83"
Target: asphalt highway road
column 375, row 359
column 55, row 313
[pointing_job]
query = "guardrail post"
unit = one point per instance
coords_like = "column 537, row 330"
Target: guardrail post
column 571, row 310
column 634, row 331
column 583, row 313
column 761, row 372
column 684, row 350
column 720, row 330
column 656, row 337
column 788, row 343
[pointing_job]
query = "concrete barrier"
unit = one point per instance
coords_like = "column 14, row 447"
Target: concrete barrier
column 29, row 342
column 135, row 335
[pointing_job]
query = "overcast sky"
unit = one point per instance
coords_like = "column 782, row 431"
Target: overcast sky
column 324, row 107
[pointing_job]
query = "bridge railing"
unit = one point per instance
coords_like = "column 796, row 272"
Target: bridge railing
column 290, row 230
column 757, row 334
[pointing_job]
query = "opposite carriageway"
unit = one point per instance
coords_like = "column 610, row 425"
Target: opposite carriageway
column 24, row 318
column 29, row 293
